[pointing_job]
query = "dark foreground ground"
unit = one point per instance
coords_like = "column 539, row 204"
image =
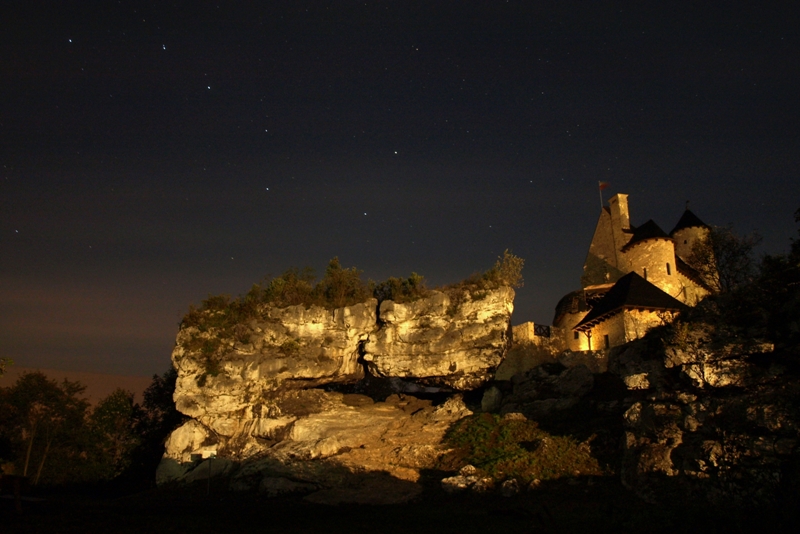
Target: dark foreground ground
column 599, row 505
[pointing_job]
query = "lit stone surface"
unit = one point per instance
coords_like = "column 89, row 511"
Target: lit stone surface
column 259, row 397
column 430, row 339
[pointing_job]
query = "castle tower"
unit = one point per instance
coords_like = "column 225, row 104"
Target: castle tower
column 650, row 253
column 689, row 230
column 620, row 220
column 633, row 279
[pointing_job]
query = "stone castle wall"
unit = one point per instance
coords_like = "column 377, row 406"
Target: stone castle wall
column 529, row 350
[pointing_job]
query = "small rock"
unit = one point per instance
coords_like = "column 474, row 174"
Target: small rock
column 483, row 485
column 458, row 483
column 492, row 399
column 509, row 488
column 637, row 381
column 468, row 470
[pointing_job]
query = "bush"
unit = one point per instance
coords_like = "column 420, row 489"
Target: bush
column 516, row 448
column 401, row 290
column 507, row 271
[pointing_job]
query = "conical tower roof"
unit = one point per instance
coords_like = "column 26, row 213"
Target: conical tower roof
column 649, row 230
column 688, row 220
column 630, row 292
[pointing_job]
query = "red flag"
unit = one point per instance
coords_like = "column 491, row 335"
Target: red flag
column 602, row 185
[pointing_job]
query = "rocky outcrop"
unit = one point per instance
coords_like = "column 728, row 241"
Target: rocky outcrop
column 436, row 340
column 284, row 348
column 265, row 388
column 716, row 418
column 326, row 452
column 691, row 411
column 547, row 390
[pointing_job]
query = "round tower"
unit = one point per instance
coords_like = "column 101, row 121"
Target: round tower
column 689, row 230
column 651, row 254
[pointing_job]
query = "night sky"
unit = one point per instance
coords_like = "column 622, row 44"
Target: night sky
column 154, row 153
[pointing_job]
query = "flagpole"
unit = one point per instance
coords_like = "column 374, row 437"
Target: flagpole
column 600, row 190
column 601, row 185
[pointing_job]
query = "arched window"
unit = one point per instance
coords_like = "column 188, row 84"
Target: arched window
column 669, row 271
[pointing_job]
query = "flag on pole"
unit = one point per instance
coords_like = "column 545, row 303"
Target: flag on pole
column 602, row 186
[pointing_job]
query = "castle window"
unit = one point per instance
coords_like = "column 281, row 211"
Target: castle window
column 685, row 241
column 577, row 334
column 669, row 272
column 605, row 340
column 645, row 273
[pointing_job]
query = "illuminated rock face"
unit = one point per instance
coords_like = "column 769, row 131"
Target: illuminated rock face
column 437, row 342
column 256, row 391
column 289, row 347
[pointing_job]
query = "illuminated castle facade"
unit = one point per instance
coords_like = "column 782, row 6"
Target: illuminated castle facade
column 634, row 278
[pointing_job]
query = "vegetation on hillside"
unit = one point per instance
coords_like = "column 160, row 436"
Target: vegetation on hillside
column 724, row 259
column 753, row 299
column 504, row 448
column 339, row 287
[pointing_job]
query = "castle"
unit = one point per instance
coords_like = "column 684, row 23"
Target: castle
column 634, row 278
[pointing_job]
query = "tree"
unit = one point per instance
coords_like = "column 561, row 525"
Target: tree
column 341, row 287
column 5, row 362
column 725, row 260
column 113, row 436
column 778, row 293
column 153, row 422
column 507, row 271
column 42, row 418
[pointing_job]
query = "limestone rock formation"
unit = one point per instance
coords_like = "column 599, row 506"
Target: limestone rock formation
column 441, row 342
column 262, row 390
column 719, row 420
column 290, row 347
column 545, row 391
column 343, row 438
column 695, row 410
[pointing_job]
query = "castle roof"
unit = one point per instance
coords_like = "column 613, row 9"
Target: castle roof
column 649, row 230
column 570, row 303
column 580, row 300
column 688, row 220
column 630, row 292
